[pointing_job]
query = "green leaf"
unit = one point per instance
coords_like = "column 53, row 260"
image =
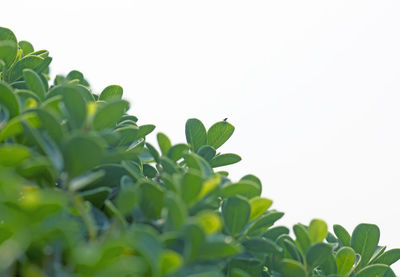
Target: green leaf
column 275, row 232
column 190, row 186
column 261, row 224
column 97, row 196
column 342, row 235
column 318, row 254
column 244, row 188
column 375, row 270
column 50, row 124
column 219, row 133
column 9, row 100
column 303, row 239
column 81, row 153
column 211, row 251
column 111, row 92
column 164, row 143
column 84, row 180
column 207, row 152
column 345, row 259
column 14, row 127
column 8, row 37
column 318, row 230
column 170, row 262
column 13, row 154
column 235, row 213
column 387, row 258
column 26, row 47
column 210, row 221
column 144, row 130
column 8, row 52
column 109, row 114
column 151, row 200
column 259, row 206
column 262, row 246
column 34, row 83
column 31, row 62
column 176, row 212
column 196, row 134
column 224, row 159
column 291, row 268
column 176, row 152
column 75, row 105
column 364, row 241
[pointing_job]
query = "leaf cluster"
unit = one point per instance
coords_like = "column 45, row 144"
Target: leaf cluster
column 84, row 194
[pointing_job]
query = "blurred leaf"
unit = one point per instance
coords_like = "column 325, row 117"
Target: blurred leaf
column 219, row 133
column 34, row 83
column 81, row 153
column 196, row 134
column 13, row 154
column 210, row 221
column 9, row 99
column 214, row 250
column 144, row 130
column 291, row 268
column 96, row 196
column 317, row 254
column 75, row 105
column 243, row 188
column 176, row 212
column 236, row 213
column 108, row 114
column 176, row 152
column 151, row 199
column 225, row 159
column 170, row 262
column 207, row 152
column 8, row 52
column 164, row 143
column 318, row 230
column 190, row 186
column 262, row 246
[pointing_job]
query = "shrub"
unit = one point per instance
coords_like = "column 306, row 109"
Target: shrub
column 84, row 194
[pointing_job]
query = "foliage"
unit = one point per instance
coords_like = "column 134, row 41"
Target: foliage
column 84, row 194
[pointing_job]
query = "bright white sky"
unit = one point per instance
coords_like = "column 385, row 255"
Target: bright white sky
column 311, row 86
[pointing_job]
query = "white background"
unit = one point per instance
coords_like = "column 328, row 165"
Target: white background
column 312, row 87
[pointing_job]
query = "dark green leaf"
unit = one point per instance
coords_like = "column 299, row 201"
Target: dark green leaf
column 26, row 47
column 389, row 257
column 164, row 143
column 97, row 196
column 243, row 188
column 291, row 268
column 261, row 224
column 207, row 152
column 303, row 239
column 176, row 152
column 375, row 270
column 342, row 235
column 31, row 62
column 317, row 254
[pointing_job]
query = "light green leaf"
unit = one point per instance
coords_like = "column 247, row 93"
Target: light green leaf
column 318, row 230
column 170, row 262
column 345, row 259
column 13, row 154
column 259, row 206
column 219, row 133
column 262, row 223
